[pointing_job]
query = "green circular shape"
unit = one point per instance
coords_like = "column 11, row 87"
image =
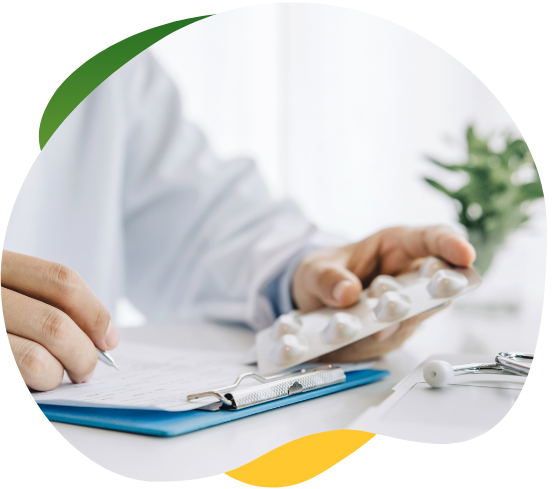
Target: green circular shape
column 96, row 70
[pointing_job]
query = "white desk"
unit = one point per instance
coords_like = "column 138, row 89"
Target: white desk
column 216, row 450
column 221, row 448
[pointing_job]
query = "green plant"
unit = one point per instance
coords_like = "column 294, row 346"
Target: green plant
column 494, row 201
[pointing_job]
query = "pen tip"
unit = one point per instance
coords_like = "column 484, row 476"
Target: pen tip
column 116, row 367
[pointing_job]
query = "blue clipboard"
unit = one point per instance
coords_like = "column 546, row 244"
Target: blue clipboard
column 164, row 423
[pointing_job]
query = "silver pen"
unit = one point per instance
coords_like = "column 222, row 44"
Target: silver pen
column 106, row 358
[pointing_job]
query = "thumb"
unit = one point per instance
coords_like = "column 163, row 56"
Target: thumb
column 335, row 286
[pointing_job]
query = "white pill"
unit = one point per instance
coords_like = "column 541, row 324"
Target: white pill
column 286, row 324
column 392, row 305
column 382, row 284
column 446, row 283
column 438, row 373
column 341, row 327
column 288, row 348
column 431, row 265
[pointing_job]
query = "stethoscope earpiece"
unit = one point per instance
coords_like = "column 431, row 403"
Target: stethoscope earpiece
column 438, row 373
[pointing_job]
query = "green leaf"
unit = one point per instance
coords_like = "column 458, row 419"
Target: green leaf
column 447, row 167
column 466, row 168
column 517, row 147
column 475, row 144
column 531, row 191
column 439, row 187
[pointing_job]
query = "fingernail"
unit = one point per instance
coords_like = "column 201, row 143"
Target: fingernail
column 387, row 332
column 111, row 336
column 340, row 288
column 88, row 377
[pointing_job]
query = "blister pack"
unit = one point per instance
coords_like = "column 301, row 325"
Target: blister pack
column 295, row 337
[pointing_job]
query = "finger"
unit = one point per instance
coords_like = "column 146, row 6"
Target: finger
column 39, row 369
column 386, row 332
column 370, row 348
column 359, row 351
column 414, row 321
column 62, row 288
column 52, row 329
column 439, row 241
column 334, row 285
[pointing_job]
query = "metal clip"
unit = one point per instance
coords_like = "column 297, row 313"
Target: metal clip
column 274, row 387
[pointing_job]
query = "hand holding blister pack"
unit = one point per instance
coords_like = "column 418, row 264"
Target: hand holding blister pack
column 295, row 338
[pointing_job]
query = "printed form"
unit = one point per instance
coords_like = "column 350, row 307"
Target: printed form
column 150, row 378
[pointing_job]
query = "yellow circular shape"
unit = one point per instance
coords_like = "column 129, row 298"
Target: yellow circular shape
column 302, row 459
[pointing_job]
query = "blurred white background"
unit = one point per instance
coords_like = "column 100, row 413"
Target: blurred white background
column 339, row 110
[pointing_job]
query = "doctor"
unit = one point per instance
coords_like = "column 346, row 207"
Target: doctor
column 127, row 200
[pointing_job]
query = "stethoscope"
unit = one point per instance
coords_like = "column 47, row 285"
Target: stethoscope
column 439, row 373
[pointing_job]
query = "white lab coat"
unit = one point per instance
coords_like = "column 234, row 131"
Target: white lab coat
column 129, row 194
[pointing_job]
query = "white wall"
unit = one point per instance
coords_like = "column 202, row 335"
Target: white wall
column 334, row 105
column 339, row 108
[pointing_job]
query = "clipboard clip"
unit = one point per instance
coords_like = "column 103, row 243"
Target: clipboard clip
column 271, row 388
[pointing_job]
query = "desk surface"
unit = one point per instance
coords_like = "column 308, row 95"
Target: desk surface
column 221, row 448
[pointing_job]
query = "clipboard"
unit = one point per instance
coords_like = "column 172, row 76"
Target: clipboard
column 170, row 423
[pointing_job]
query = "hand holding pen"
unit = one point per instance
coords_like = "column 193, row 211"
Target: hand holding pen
column 55, row 323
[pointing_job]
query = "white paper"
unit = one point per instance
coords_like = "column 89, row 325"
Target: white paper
column 150, row 378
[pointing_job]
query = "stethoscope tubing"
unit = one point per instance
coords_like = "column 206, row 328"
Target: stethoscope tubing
column 439, row 373
column 505, row 363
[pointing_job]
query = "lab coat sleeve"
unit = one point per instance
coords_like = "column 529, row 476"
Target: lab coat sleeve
column 278, row 290
column 202, row 236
